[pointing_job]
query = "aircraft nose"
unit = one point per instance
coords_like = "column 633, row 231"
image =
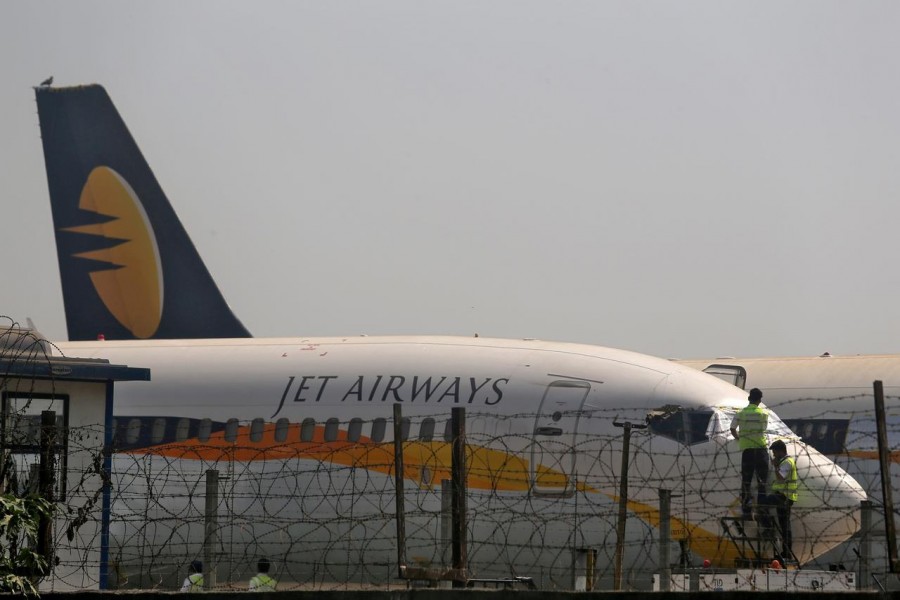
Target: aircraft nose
column 828, row 506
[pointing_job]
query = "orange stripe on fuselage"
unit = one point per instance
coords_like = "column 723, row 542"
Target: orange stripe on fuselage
column 488, row 469
column 426, row 463
column 721, row 552
column 894, row 456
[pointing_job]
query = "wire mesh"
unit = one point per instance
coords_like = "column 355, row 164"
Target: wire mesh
column 323, row 512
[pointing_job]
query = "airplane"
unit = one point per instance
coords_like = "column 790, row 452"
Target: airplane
column 828, row 400
column 300, row 426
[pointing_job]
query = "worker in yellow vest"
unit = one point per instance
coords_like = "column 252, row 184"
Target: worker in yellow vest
column 194, row 581
column 262, row 582
column 749, row 428
column 784, row 493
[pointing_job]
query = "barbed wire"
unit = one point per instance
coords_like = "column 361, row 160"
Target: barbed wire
column 323, row 512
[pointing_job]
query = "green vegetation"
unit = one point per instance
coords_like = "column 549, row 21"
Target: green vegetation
column 21, row 565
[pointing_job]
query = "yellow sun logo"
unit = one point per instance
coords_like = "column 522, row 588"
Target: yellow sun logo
column 131, row 286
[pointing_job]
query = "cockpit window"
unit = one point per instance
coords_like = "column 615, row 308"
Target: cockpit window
column 684, row 426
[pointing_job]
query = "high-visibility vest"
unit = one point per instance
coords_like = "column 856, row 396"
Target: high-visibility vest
column 262, row 583
column 196, row 582
column 788, row 486
column 752, row 423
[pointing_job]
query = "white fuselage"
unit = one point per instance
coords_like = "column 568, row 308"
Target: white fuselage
column 301, row 431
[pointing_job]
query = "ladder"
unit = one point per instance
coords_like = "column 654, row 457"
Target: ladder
column 757, row 541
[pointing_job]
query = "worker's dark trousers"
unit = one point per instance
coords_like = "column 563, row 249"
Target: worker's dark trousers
column 753, row 461
column 783, row 510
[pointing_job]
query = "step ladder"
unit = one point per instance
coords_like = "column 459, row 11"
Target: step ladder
column 758, row 541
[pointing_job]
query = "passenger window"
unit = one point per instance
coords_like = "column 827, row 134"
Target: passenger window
column 426, row 430
column 828, row 436
column 404, row 428
column 281, row 429
column 182, row 430
column 158, row 432
column 307, row 430
column 331, row 429
column 134, row 431
column 839, row 439
column 231, row 430
column 805, row 430
column 478, row 425
column 257, row 427
column 122, row 431
column 379, row 425
column 205, row 430
column 354, row 430
column 448, row 431
column 502, row 427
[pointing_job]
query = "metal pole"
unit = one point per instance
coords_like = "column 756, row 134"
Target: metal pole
column 591, row 566
column 665, row 571
column 623, row 501
column 458, row 485
column 865, row 544
column 211, row 523
column 398, row 489
column 884, row 458
column 579, row 569
column 446, row 522
column 45, row 483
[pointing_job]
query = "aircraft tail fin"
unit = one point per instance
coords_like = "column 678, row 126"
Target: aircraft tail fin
column 128, row 268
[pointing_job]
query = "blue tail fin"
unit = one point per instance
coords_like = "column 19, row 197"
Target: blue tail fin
column 128, row 268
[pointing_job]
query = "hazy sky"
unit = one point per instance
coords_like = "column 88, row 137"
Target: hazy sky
column 678, row 178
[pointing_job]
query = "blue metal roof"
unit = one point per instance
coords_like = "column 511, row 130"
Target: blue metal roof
column 37, row 366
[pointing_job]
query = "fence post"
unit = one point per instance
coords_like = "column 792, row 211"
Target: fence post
column 623, row 501
column 46, row 484
column 884, row 458
column 665, row 537
column 446, row 522
column 398, row 490
column 211, row 522
column 458, row 485
column 865, row 545
column 583, row 569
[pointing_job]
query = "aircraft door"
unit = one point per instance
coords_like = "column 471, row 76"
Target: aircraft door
column 553, row 451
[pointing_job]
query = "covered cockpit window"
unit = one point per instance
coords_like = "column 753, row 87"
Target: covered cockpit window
column 684, row 426
column 776, row 429
column 693, row 426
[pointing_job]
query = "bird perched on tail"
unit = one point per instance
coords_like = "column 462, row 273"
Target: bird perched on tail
column 47, row 82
